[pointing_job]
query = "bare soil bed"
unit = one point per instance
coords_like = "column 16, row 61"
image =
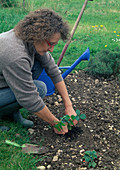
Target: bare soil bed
column 99, row 99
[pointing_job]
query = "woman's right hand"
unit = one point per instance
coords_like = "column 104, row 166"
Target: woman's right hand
column 63, row 131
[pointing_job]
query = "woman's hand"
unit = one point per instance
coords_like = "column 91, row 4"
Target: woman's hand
column 61, row 87
column 70, row 111
column 63, row 131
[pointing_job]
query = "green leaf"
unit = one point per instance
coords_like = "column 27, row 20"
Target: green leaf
column 77, row 112
column 95, row 156
column 89, row 165
column 58, row 129
column 73, row 117
column 87, row 158
column 69, row 127
column 87, row 152
column 67, row 117
column 94, row 152
column 63, row 118
column 71, row 122
column 56, row 121
column 62, row 124
column 68, row 121
column 49, row 126
column 77, row 118
column 93, row 164
column 92, row 158
column 56, row 126
column 83, row 116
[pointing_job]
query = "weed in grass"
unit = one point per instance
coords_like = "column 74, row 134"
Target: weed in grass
column 116, row 36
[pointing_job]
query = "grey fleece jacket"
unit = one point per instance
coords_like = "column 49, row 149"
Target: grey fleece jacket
column 16, row 62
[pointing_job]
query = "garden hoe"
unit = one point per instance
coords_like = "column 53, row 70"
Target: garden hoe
column 72, row 32
column 29, row 148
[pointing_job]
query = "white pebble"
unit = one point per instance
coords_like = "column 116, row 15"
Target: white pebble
column 49, row 166
column 55, row 158
column 31, row 131
column 41, row 167
column 56, row 103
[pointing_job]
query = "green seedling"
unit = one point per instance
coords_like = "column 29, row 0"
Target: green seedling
column 69, row 120
column 82, row 116
column 59, row 125
column 89, row 157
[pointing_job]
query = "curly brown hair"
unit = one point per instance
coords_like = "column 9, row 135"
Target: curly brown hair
column 41, row 25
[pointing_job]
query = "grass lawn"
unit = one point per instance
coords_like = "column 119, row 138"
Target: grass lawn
column 98, row 29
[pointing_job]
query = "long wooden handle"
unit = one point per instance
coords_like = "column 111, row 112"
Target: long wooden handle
column 72, row 33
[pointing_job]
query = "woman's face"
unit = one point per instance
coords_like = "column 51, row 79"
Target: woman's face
column 47, row 45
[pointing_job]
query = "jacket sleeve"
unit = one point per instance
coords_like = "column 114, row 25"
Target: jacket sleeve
column 18, row 76
column 51, row 68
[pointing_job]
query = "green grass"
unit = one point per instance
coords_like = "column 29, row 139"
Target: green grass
column 98, row 12
column 11, row 158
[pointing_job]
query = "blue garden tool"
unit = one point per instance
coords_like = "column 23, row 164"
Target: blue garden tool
column 47, row 80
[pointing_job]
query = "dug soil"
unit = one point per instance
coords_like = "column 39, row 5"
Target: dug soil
column 99, row 99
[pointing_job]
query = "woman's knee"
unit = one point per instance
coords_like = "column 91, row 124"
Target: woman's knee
column 6, row 97
column 41, row 88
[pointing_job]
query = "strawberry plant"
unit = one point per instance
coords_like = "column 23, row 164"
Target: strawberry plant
column 69, row 120
column 89, row 157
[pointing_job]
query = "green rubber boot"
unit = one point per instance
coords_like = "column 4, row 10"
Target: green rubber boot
column 17, row 117
column 4, row 128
